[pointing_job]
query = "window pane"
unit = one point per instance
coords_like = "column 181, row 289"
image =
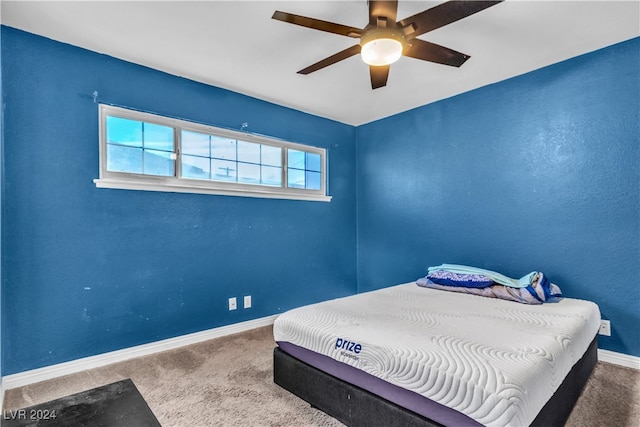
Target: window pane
column 271, row 175
column 158, row 137
column 296, row 178
column 223, row 148
column 195, row 143
column 196, row 167
column 304, row 170
column 313, row 162
column 312, row 180
column 248, row 152
column 223, row 170
column 271, row 156
column 121, row 158
column 158, row 163
column 124, row 131
column 296, row 159
column 248, row 173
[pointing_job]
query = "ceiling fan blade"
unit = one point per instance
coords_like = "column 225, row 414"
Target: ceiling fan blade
column 347, row 53
column 386, row 9
column 432, row 52
column 317, row 24
column 379, row 75
column 442, row 15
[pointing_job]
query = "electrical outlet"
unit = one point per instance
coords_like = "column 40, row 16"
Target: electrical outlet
column 247, row 301
column 605, row 327
column 233, row 303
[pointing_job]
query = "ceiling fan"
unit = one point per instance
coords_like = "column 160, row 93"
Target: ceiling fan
column 383, row 40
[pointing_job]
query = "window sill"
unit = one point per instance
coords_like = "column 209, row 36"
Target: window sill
column 179, row 187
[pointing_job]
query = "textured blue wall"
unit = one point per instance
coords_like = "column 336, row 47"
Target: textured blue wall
column 539, row 172
column 90, row 270
column 1, row 205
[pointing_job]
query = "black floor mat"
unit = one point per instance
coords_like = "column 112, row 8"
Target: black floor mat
column 112, row 405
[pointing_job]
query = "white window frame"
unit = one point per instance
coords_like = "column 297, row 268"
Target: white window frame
column 134, row 181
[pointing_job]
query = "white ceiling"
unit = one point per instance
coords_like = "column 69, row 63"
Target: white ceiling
column 236, row 45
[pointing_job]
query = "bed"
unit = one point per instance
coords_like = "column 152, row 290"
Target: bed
column 412, row 356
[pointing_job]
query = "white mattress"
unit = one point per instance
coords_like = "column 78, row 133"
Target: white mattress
column 496, row 361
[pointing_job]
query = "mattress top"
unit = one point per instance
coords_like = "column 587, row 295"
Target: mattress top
column 496, row 361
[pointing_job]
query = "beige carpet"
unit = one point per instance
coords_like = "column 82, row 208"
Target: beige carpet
column 229, row 381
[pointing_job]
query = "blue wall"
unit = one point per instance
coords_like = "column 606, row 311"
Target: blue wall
column 1, row 209
column 539, row 172
column 90, row 270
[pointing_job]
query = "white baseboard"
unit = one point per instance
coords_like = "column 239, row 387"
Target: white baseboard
column 48, row 372
column 619, row 359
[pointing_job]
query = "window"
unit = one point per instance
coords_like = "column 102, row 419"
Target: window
column 141, row 151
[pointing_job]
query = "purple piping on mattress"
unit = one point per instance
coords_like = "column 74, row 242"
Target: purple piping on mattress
column 402, row 397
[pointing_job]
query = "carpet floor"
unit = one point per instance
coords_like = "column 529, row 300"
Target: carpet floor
column 229, row 381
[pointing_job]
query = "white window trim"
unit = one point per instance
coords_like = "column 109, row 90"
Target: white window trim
column 132, row 181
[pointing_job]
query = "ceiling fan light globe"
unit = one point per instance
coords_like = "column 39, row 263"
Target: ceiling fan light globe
column 382, row 51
